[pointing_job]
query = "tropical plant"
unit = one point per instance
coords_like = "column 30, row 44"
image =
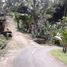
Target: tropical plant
column 64, row 40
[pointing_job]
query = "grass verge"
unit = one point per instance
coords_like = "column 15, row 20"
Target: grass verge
column 59, row 55
column 3, row 52
column 3, row 48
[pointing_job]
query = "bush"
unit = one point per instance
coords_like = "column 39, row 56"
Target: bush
column 64, row 40
column 64, row 37
column 56, row 41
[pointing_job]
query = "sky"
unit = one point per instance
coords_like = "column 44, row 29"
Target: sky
column 52, row 0
column 3, row 0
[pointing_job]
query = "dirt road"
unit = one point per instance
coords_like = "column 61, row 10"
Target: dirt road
column 24, row 52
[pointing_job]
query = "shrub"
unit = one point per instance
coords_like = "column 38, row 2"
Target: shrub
column 57, row 41
column 64, row 40
column 64, row 37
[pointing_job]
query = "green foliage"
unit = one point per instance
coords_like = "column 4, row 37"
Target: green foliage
column 64, row 37
column 30, row 18
column 64, row 20
column 36, row 18
column 16, row 17
column 24, row 21
column 54, row 33
column 50, row 10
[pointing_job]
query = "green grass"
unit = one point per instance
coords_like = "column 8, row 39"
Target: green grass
column 3, row 52
column 3, row 42
column 60, row 55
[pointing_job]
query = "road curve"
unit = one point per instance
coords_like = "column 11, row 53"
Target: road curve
column 36, row 56
column 33, row 55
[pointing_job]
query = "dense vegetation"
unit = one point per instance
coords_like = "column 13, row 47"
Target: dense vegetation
column 42, row 18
